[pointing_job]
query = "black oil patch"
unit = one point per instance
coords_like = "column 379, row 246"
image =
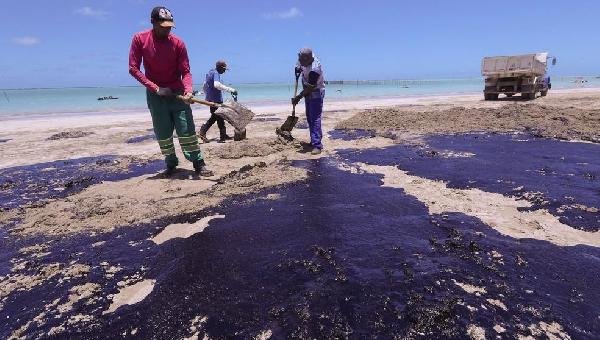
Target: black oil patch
column 354, row 134
column 139, row 139
column 337, row 256
column 35, row 184
column 562, row 177
column 266, row 119
column 340, row 256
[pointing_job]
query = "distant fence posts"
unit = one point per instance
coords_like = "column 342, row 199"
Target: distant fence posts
column 399, row 83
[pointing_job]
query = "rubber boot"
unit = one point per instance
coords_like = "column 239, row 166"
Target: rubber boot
column 223, row 136
column 202, row 134
column 201, row 169
column 169, row 171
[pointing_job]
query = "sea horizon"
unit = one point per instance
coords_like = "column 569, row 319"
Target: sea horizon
column 588, row 76
column 83, row 99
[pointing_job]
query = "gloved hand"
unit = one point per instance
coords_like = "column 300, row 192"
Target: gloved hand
column 296, row 100
column 187, row 97
column 164, row 91
column 297, row 71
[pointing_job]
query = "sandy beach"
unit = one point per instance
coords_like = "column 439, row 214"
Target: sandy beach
column 262, row 162
column 406, row 170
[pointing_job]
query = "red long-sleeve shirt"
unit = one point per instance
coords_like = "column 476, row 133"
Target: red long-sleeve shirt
column 166, row 62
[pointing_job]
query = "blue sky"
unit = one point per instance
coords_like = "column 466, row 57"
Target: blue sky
column 86, row 43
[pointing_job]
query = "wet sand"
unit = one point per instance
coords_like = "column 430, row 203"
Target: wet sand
column 263, row 162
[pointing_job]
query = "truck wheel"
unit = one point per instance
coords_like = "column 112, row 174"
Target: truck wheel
column 528, row 96
column 490, row 96
column 544, row 93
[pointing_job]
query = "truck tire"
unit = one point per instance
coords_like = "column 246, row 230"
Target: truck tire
column 490, row 96
column 528, row 96
column 544, row 93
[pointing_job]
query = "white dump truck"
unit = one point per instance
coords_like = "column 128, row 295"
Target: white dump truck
column 525, row 74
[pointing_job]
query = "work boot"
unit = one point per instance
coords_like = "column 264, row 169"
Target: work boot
column 224, row 138
column 203, row 138
column 315, row 151
column 202, row 134
column 200, row 169
column 169, row 171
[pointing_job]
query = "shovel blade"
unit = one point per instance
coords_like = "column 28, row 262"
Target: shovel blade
column 236, row 114
column 289, row 123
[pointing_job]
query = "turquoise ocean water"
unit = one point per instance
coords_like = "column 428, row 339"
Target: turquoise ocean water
column 19, row 102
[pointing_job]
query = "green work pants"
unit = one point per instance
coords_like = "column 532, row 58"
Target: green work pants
column 168, row 114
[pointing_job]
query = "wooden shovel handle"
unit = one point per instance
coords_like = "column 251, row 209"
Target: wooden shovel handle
column 295, row 94
column 200, row 101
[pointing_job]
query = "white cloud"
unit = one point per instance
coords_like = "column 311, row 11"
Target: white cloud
column 293, row 12
column 26, row 41
column 91, row 12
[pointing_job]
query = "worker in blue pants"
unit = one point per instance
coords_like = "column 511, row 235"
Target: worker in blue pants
column 313, row 85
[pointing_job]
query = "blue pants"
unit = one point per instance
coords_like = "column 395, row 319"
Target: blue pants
column 314, row 110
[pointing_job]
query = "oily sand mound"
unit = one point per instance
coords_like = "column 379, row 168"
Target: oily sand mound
column 547, row 121
column 254, row 147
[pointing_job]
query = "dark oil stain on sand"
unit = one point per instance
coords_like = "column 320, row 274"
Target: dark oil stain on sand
column 551, row 174
column 337, row 256
column 38, row 182
column 141, row 138
column 353, row 134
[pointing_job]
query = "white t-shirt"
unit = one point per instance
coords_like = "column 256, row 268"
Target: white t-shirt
column 314, row 67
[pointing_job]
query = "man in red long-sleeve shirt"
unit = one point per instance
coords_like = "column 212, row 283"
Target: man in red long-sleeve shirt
column 167, row 74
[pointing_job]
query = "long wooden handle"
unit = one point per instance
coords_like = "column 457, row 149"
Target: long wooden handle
column 200, row 101
column 296, row 87
column 295, row 94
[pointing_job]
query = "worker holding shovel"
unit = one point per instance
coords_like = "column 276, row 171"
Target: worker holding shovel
column 313, row 93
column 167, row 73
column 213, row 90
